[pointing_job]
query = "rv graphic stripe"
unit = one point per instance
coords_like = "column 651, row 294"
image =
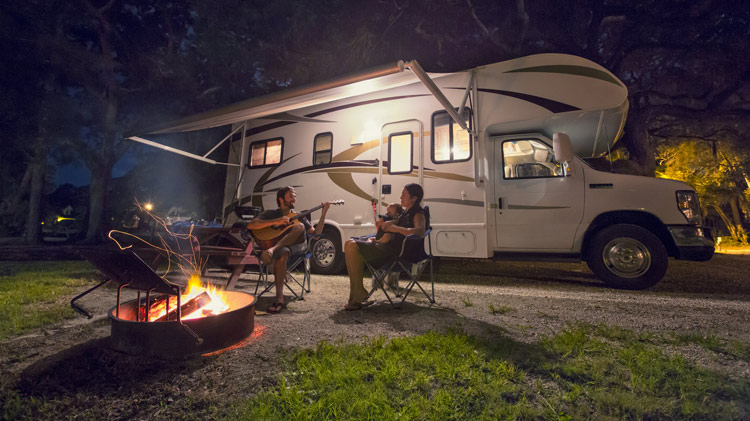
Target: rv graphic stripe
column 570, row 70
column 367, row 163
column 275, row 125
column 551, row 105
column 357, row 104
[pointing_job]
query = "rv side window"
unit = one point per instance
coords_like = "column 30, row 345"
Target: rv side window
column 399, row 153
column 266, row 152
column 450, row 143
column 529, row 159
column 322, row 149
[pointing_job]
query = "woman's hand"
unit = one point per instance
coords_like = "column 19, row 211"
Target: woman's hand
column 389, row 226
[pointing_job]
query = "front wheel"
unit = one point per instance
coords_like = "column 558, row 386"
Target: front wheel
column 627, row 256
column 327, row 255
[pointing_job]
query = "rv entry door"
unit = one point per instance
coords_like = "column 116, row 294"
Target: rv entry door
column 401, row 152
column 536, row 207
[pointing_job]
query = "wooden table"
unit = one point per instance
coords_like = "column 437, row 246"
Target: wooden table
column 211, row 242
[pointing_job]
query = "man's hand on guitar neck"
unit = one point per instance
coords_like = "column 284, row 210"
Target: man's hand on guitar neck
column 319, row 227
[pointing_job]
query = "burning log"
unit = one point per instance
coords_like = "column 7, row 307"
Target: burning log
column 198, row 302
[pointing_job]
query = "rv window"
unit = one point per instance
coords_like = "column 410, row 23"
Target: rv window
column 322, row 149
column 529, row 159
column 399, row 153
column 266, row 152
column 450, row 143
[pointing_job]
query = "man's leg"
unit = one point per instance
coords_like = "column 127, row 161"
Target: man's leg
column 279, row 273
column 294, row 236
column 355, row 267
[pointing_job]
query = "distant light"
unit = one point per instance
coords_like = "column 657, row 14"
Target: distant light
column 148, row 206
column 62, row 218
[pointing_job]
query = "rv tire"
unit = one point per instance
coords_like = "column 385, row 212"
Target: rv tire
column 327, row 255
column 627, row 256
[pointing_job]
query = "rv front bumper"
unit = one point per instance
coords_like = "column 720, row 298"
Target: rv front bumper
column 693, row 243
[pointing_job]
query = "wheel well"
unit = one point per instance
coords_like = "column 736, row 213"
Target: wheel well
column 642, row 219
column 336, row 230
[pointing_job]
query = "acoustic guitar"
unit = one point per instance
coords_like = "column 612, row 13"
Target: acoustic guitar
column 269, row 236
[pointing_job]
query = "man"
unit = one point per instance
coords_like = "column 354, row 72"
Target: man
column 291, row 242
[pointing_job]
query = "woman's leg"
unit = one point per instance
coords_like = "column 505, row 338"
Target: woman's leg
column 355, row 267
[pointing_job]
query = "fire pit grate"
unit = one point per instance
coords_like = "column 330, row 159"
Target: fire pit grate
column 170, row 335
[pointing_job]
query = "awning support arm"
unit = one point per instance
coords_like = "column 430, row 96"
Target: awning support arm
column 466, row 93
column 241, row 127
column 437, row 93
column 177, row 151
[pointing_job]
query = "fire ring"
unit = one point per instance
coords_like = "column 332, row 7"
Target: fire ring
column 172, row 339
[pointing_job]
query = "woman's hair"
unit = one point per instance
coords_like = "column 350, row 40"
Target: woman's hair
column 399, row 208
column 281, row 193
column 415, row 190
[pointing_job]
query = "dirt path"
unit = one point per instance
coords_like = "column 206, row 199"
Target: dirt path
column 72, row 361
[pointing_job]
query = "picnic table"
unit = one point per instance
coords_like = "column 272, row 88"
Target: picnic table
column 225, row 244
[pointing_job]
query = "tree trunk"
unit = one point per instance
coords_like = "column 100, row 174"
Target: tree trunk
column 737, row 220
column 733, row 232
column 638, row 142
column 97, row 196
column 38, row 167
column 101, row 172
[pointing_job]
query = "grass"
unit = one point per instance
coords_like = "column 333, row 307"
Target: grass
column 500, row 309
column 35, row 294
column 584, row 372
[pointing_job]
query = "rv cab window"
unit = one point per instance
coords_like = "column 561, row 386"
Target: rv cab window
column 450, row 143
column 266, row 152
column 529, row 158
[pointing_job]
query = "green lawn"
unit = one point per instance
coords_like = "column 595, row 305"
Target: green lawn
column 585, row 372
column 35, row 294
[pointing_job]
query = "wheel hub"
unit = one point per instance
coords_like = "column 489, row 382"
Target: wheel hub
column 324, row 252
column 626, row 257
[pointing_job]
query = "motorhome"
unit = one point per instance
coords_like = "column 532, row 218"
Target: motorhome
column 498, row 150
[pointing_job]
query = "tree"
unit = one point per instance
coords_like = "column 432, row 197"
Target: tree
column 719, row 173
column 109, row 53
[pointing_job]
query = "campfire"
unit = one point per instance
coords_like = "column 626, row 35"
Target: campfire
column 169, row 322
column 197, row 301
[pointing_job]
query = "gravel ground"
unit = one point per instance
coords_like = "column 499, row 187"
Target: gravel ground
column 73, row 363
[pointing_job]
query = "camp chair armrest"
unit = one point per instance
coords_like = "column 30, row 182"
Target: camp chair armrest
column 416, row 237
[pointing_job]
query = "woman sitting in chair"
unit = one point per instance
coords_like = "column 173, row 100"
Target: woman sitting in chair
column 412, row 221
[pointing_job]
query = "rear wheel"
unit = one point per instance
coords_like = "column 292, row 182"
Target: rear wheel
column 627, row 257
column 327, row 255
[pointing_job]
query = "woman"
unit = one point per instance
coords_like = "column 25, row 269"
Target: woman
column 412, row 221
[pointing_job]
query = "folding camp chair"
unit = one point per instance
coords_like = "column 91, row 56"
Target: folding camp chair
column 412, row 259
column 298, row 262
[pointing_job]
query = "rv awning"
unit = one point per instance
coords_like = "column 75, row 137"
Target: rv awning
column 376, row 79
column 371, row 80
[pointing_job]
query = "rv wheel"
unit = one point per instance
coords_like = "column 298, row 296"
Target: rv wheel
column 327, row 255
column 627, row 256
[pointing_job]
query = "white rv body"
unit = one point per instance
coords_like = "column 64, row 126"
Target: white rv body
column 499, row 192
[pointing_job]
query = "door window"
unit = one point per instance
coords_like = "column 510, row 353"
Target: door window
column 529, row 158
column 400, row 153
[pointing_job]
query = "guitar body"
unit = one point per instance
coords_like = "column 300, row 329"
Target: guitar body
column 269, row 236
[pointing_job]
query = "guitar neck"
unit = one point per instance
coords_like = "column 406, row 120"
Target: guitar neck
column 309, row 211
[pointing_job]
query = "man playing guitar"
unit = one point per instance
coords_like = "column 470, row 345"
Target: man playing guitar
column 291, row 238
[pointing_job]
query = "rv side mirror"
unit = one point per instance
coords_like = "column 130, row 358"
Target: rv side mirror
column 563, row 150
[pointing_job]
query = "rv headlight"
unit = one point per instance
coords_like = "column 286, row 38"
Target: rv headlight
column 687, row 202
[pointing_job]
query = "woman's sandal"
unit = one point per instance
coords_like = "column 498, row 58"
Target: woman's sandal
column 358, row 306
column 274, row 308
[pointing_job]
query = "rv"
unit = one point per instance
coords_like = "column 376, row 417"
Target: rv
column 498, row 150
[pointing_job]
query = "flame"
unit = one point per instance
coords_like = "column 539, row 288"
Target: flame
column 195, row 287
